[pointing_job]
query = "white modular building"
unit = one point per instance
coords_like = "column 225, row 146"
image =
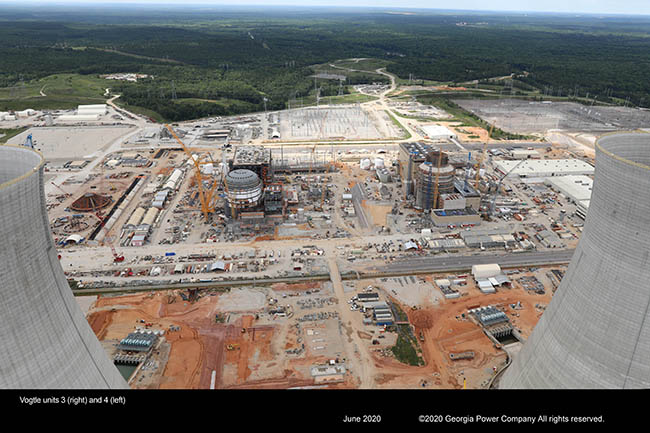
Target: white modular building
column 481, row 272
column 439, row 132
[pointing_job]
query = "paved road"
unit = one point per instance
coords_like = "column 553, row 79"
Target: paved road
column 444, row 263
column 358, row 359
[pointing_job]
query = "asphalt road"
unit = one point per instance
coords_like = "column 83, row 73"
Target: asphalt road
column 448, row 263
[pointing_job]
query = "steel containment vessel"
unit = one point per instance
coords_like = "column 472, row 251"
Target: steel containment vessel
column 595, row 332
column 45, row 340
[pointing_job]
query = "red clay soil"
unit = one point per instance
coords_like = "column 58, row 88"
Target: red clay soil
column 99, row 322
column 296, row 286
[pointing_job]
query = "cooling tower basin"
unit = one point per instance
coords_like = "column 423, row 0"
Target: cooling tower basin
column 595, row 332
column 90, row 202
column 45, row 340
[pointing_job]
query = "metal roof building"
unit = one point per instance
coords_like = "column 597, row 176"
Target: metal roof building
column 545, row 167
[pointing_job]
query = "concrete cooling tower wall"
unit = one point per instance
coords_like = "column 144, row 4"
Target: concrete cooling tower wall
column 45, row 340
column 595, row 332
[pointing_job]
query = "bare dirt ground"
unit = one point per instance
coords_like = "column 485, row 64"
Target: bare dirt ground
column 445, row 331
column 377, row 212
column 244, row 352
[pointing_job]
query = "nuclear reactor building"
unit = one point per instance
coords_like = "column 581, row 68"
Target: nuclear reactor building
column 45, row 341
column 595, row 333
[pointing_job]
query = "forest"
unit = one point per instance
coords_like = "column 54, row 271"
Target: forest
column 230, row 60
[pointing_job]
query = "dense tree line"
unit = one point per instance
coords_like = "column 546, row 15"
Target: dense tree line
column 227, row 61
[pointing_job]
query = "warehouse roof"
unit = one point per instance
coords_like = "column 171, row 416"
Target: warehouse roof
column 577, row 187
column 545, row 167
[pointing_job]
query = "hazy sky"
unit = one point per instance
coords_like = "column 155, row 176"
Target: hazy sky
column 581, row 6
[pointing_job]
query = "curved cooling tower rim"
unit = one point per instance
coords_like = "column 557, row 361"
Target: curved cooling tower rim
column 28, row 173
column 617, row 157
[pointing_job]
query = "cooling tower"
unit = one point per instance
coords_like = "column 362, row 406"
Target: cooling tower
column 45, row 341
column 595, row 332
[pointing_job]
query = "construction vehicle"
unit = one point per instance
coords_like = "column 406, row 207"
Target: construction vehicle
column 117, row 258
column 232, row 346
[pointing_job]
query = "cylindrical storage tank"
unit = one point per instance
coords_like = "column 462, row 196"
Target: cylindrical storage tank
column 45, row 339
column 244, row 190
column 595, row 332
column 379, row 162
column 365, row 164
column 426, row 184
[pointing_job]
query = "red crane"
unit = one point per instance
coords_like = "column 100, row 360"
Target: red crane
column 116, row 257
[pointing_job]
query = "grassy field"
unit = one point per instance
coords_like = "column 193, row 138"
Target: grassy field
column 62, row 91
column 6, row 134
column 351, row 76
column 142, row 111
column 369, row 65
column 399, row 125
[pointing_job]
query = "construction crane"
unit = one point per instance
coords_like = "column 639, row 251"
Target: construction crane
column 483, row 157
column 311, row 161
column 206, row 196
column 496, row 193
column 116, row 257
column 29, row 142
column 60, row 189
column 435, row 188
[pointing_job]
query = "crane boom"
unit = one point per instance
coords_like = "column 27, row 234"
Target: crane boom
column 496, row 193
column 205, row 196
column 480, row 163
column 435, row 188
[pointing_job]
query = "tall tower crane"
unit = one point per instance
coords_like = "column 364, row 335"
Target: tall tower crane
column 206, row 196
column 482, row 159
column 496, row 193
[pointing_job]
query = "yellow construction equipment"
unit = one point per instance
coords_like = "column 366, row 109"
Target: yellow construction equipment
column 206, row 196
column 232, row 346
column 483, row 155
column 311, row 160
column 435, row 188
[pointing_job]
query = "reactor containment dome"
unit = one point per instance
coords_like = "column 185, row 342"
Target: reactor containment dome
column 595, row 332
column 45, row 340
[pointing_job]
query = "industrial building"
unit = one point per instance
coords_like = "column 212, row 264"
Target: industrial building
column 575, row 188
column 438, row 132
column 433, row 178
column 256, row 159
column 45, row 338
column 524, row 154
column 489, row 238
column 456, row 217
column 595, row 332
column 534, row 168
column 420, row 167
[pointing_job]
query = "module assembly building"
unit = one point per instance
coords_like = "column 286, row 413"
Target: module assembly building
column 595, row 333
column 45, row 340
